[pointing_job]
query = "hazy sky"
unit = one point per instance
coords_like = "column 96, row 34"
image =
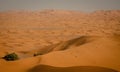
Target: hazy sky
column 82, row 5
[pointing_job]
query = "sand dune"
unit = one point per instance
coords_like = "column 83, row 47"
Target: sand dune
column 102, row 51
column 28, row 30
column 96, row 51
column 60, row 41
column 45, row 68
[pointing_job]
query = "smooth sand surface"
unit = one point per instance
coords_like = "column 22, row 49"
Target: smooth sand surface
column 97, row 51
column 60, row 41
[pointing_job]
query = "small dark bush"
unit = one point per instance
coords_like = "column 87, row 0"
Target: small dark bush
column 11, row 57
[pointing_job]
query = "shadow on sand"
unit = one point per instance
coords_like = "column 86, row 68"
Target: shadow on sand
column 45, row 68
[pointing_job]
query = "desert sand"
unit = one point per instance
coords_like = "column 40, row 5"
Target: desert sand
column 64, row 41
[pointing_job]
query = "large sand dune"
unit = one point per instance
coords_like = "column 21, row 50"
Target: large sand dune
column 60, row 41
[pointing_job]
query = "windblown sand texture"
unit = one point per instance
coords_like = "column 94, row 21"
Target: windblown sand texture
column 64, row 41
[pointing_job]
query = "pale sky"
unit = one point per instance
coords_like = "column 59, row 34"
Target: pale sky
column 82, row 5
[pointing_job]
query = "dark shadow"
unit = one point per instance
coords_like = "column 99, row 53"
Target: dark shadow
column 45, row 68
column 61, row 46
column 75, row 42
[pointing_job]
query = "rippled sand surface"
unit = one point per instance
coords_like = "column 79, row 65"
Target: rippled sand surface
column 64, row 41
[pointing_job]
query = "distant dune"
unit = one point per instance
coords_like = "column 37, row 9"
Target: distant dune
column 60, row 41
column 54, row 26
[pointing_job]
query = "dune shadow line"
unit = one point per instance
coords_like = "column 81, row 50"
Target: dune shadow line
column 46, row 68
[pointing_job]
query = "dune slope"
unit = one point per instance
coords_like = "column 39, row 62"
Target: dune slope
column 101, row 51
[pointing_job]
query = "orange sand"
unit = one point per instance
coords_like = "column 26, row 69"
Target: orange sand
column 66, row 40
